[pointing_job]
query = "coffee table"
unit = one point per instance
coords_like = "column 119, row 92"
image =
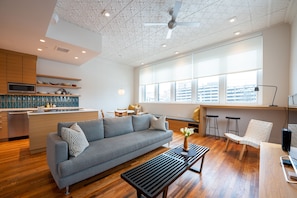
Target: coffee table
column 154, row 176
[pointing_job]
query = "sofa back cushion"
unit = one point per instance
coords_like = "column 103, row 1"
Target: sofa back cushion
column 93, row 129
column 141, row 122
column 117, row 126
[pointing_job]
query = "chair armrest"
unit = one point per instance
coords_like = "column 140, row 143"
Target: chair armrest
column 56, row 151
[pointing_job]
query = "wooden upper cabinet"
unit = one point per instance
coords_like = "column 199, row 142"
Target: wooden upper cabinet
column 20, row 68
column 3, row 82
column 14, row 68
column 29, row 69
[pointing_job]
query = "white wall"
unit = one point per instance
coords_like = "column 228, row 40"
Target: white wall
column 100, row 82
column 276, row 63
column 293, row 66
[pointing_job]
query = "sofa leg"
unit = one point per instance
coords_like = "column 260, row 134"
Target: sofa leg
column 168, row 145
column 67, row 190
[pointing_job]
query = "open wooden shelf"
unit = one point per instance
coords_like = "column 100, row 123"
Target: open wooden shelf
column 57, row 77
column 58, row 86
column 66, row 95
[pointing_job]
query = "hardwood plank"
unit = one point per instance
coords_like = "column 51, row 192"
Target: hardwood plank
column 27, row 175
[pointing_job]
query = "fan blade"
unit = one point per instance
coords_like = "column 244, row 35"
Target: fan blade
column 176, row 9
column 190, row 24
column 169, row 34
column 152, row 24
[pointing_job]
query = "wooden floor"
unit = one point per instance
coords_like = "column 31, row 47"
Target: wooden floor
column 223, row 175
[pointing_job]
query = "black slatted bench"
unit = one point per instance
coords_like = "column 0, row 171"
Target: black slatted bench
column 154, row 176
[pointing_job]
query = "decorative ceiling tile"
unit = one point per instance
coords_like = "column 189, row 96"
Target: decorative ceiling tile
column 128, row 41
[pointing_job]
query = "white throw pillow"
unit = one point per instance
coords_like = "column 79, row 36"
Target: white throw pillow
column 158, row 123
column 76, row 139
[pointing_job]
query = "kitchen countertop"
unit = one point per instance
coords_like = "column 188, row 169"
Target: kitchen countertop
column 33, row 111
column 17, row 109
column 60, row 111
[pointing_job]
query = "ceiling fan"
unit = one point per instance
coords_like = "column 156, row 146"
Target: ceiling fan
column 173, row 12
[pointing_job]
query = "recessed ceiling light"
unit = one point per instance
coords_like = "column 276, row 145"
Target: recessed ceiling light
column 76, row 57
column 83, row 52
column 237, row 33
column 164, row 45
column 105, row 13
column 233, row 19
column 42, row 40
column 176, row 52
column 39, row 49
column 142, row 63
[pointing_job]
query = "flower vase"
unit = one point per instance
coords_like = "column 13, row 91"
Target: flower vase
column 186, row 146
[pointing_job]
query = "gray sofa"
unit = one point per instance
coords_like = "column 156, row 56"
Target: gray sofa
column 112, row 141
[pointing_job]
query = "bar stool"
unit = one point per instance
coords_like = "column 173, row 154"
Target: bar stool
column 236, row 130
column 215, row 126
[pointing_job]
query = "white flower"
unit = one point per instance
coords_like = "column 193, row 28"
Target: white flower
column 187, row 131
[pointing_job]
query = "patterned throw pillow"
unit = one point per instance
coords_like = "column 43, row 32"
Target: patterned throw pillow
column 158, row 123
column 76, row 139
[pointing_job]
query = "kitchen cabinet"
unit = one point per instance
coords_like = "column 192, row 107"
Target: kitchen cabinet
column 3, row 82
column 29, row 69
column 14, row 68
column 17, row 67
column 53, row 83
column 3, row 126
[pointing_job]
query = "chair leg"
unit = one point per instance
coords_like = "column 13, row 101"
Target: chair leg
column 242, row 151
column 227, row 144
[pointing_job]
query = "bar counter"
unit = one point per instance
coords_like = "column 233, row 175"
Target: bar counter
column 277, row 115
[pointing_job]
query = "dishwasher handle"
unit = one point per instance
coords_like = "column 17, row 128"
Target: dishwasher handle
column 17, row 113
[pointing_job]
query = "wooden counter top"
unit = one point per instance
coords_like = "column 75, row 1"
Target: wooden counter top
column 61, row 111
column 35, row 109
column 242, row 107
column 272, row 182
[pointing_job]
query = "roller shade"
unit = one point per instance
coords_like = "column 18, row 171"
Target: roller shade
column 241, row 56
column 172, row 70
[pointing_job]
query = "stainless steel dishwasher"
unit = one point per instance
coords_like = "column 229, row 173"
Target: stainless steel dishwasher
column 18, row 124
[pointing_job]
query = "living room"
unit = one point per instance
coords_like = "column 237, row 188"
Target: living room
column 101, row 80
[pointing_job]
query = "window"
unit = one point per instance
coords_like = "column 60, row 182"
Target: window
column 240, row 87
column 165, row 92
column 183, row 91
column 208, row 89
column 150, row 93
column 226, row 73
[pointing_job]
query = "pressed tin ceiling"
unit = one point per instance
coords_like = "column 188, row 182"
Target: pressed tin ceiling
column 125, row 39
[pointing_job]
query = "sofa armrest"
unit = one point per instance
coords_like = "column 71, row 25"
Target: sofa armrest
column 56, row 151
column 167, row 125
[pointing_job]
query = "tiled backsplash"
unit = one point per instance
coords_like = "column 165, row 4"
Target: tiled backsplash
column 25, row 101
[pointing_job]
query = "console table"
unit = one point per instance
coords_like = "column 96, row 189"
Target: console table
column 272, row 182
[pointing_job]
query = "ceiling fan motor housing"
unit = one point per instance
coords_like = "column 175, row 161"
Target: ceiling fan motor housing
column 171, row 24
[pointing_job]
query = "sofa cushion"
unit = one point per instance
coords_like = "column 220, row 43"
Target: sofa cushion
column 102, row 151
column 76, row 139
column 117, row 126
column 141, row 122
column 93, row 129
column 158, row 124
